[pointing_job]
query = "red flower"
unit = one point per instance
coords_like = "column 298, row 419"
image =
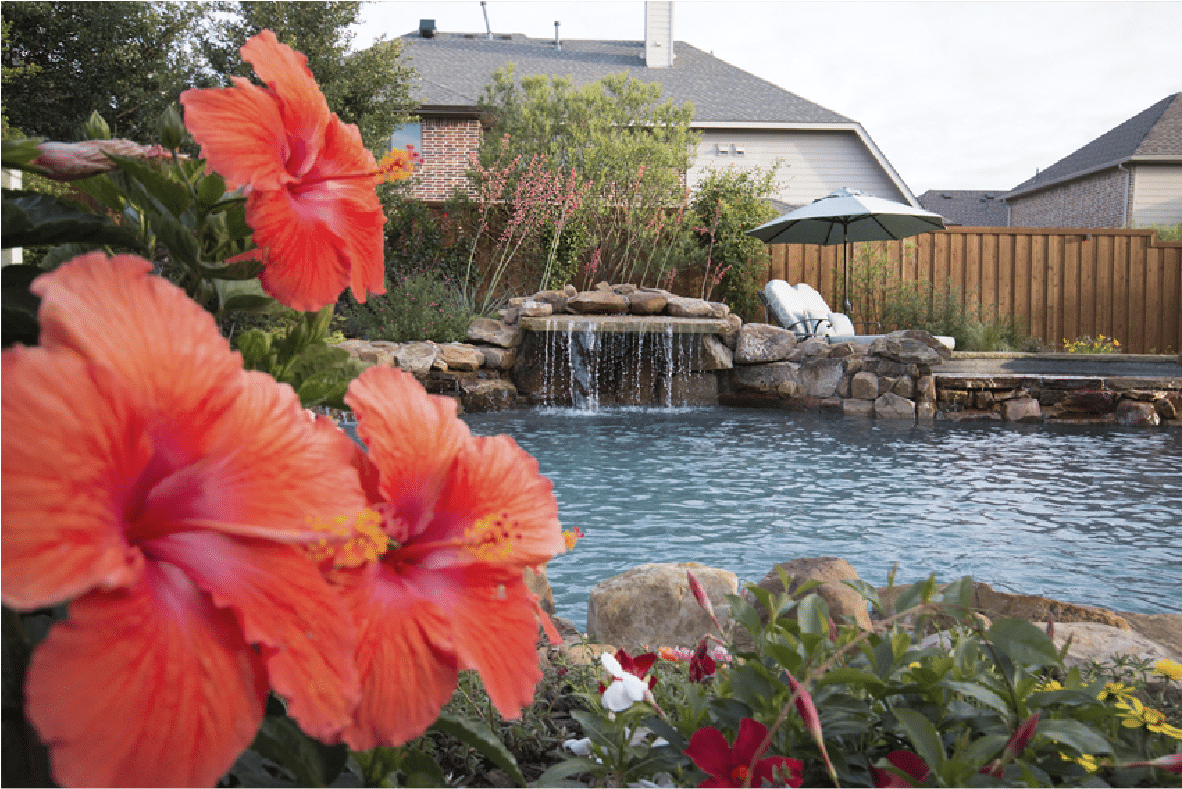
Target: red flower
column 908, row 762
column 463, row 516
column 161, row 490
column 730, row 766
column 311, row 202
column 701, row 667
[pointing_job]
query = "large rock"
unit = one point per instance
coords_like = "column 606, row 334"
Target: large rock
column 488, row 395
column 532, row 308
column 1093, row 641
column 760, row 343
column 487, row 330
column 461, row 357
column 647, row 302
column 892, row 406
column 555, row 298
column 1033, row 608
column 651, row 606
column 766, row 377
column 830, row 571
column 416, row 358
column 598, row 302
column 1134, row 414
column 715, row 355
column 537, row 582
column 819, row 378
column 681, row 307
column 496, row 358
column 1090, row 402
column 907, row 347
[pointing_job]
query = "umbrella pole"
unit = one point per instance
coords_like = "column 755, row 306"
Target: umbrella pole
column 845, row 275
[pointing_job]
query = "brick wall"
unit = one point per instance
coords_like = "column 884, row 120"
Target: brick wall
column 1093, row 201
column 447, row 143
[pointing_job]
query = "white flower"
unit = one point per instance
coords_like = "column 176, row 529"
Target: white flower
column 625, row 689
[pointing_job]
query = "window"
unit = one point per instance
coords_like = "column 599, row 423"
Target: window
column 408, row 134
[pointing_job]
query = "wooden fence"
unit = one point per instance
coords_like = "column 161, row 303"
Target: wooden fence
column 1060, row 283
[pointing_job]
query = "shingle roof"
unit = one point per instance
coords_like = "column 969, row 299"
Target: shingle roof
column 967, row 207
column 454, row 68
column 1156, row 131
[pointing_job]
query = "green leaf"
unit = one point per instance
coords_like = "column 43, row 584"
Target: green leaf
column 421, row 770
column 591, row 727
column 476, row 735
column 17, row 153
column 923, row 736
column 244, row 295
column 980, row 693
column 851, row 676
column 172, row 196
column 813, row 615
column 566, row 769
column 866, row 590
column 181, row 243
column 19, row 305
column 240, row 270
column 1023, row 642
column 255, row 347
column 911, row 596
column 318, row 326
column 32, row 219
column 211, row 189
column 983, row 749
column 1075, row 734
column 312, row 763
column 104, row 190
column 322, row 388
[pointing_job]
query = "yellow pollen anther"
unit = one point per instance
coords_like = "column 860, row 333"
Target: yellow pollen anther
column 490, row 538
column 396, row 165
column 367, row 541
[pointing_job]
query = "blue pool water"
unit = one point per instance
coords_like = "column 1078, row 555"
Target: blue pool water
column 1090, row 515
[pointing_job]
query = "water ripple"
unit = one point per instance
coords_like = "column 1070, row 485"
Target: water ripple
column 1084, row 514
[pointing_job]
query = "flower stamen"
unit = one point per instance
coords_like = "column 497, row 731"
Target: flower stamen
column 365, row 540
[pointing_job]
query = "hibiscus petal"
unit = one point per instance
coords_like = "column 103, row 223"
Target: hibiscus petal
column 284, row 604
column 710, row 751
column 241, row 134
column 751, row 735
column 413, row 439
column 305, row 111
column 151, row 686
column 765, row 771
column 407, row 673
column 158, row 342
column 69, row 440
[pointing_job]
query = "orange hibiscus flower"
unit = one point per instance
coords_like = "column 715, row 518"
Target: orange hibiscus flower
column 164, row 493
column 311, row 200
column 463, row 517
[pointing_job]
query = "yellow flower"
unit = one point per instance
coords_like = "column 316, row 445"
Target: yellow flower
column 1168, row 669
column 1113, row 689
column 1086, row 761
column 1166, row 729
column 1049, row 685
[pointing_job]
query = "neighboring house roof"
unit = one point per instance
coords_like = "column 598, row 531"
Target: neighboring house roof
column 967, row 207
column 454, row 69
column 1154, row 135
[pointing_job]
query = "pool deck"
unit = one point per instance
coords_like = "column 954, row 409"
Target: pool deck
column 1164, row 371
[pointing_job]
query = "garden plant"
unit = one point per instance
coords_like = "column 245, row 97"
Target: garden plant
column 206, row 584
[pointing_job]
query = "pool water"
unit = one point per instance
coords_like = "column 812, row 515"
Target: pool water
column 1090, row 515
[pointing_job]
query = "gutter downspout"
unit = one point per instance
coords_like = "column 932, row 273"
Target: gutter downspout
column 1128, row 180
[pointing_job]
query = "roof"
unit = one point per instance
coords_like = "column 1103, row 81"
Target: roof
column 454, row 68
column 967, row 207
column 1153, row 134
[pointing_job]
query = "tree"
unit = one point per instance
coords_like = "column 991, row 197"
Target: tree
column 127, row 60
column 370, row 88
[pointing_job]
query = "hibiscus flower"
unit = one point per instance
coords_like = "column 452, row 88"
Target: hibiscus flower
column 463, row 517
column 729, row 766
column 628, row 679
column 916, row 770
column 311, row 202
column 162, row 492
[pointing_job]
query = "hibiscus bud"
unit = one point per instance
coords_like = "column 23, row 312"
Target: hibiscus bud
column 1021, row 738
column 171, row 128
column 1171, row 763
column 832, row 631
column 812, row 721
column 68, row 161
column 700, row 595
column 96, row 128
column 1051, row 627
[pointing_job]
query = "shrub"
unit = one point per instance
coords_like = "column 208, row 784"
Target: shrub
column 416, row 306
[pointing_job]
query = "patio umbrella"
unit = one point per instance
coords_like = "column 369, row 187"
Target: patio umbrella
column 847, row 215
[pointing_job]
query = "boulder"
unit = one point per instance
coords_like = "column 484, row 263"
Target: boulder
column 499, row 358
column 892, row 406
column 492, row 332
column 1089, row 402
column 812, row 348
column 1135, row 414
column 492, row 394
column 830, row 571
column 537, row 582
column 857, row 408
column 722, row 311
column 460, row 357
column 598, row 302
column 1093, row 641
column 731, row 335
column 651, row 606
column 819, row 378
column 624, row 288
column 715, row 355
column 352, row 347
column 904, row 387
column 555, row 298
column 531, row 308
column 376, row 356
column 1021, row 409
column 908, row 347
column 925, row 388
column 760, row 343
column 647, row 302
column 765, row 377
column 1168, row 406
column 681, row 307
column 416, row 358
column 925, row 410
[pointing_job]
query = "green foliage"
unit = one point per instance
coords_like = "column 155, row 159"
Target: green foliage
column 127, row 60
column 1167, row 232
column 417, row 306
column 369, row 88
column 726, row 204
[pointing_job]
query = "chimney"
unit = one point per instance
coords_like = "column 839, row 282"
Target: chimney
column 427, row 28
column 557, row 41
column 658, row 34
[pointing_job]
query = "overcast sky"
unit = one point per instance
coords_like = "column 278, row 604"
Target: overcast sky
column 957, row 95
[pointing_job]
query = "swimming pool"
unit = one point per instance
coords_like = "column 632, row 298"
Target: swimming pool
column 1090, row 515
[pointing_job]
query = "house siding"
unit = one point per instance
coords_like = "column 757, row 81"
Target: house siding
column 1157, row 195
column 813, row 163
column 447, row 145
column 1095, row 200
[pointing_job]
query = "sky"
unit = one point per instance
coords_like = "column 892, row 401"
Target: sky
column 957, row 95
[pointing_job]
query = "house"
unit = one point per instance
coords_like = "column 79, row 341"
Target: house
column 744, row 120
column 1131, row 176
column 966, row 207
